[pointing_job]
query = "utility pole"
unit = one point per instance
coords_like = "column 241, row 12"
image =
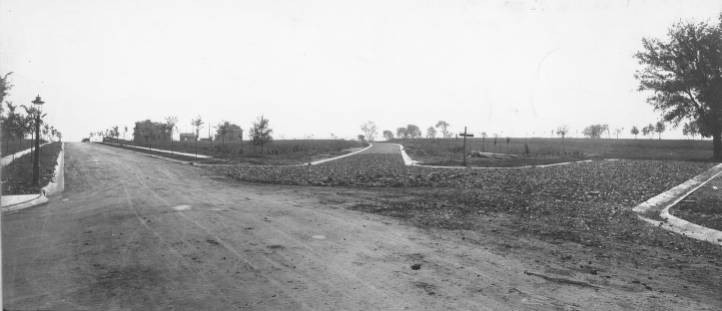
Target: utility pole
column 465, row 135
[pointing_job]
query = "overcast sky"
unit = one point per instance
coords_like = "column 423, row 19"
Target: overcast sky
column 321, row 67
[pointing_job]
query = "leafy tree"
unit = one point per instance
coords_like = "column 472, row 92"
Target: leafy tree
column 659, row 128
column 5, row 86
column 402, row 133
column 595, row 130
column 683, row 73
column 114, row 132
column 690, row 129
column 261, row 133
column 444, row 127
column 228, row 131
column 388, row 135
column 413, row 131
column 634, row 131
column 647, row 130
column 562, row 131
column 369, row 129
column 431, row 132
column 197, row 123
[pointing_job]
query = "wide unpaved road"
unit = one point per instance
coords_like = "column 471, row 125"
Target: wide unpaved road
column 132, row 232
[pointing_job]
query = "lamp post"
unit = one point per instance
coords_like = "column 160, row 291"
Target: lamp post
column 36, row 158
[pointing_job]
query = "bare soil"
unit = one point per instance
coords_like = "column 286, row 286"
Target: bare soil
column 137, row 233
column 703, row 207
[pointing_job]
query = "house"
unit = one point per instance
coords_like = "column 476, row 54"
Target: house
column 187, row 137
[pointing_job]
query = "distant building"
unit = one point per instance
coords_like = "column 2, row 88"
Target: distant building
column 187, row 137
column 149, row 131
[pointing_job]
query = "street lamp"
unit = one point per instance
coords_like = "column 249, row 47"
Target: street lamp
column 38, row 102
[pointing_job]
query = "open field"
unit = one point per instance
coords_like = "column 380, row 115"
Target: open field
column 551, row 150
column 277, row 152
column 583, row 210
column 138, row 233
column 17, row 177
column 703, row 207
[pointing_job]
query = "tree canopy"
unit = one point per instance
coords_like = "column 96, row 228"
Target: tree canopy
column 684, row 73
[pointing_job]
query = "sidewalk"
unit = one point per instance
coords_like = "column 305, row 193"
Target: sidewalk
column 190, row 155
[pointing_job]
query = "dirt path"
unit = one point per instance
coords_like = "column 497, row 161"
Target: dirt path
column 136, row 233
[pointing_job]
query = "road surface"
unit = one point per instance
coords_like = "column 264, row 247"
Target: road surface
column 132, row 232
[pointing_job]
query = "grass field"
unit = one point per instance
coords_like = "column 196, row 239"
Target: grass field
column 277, row 152
column 17, row 176
column 550, row 150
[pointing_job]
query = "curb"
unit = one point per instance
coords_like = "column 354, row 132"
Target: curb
column 184, row 154
column 410, row 162
column 317, row 162
column 662, row 202
column 57, row 185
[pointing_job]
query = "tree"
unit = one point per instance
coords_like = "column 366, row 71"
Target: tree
column 431, row 132
column 413, row 131
column 171, row 123
column 369, row 129
column 595, row 130
column 659, row 128
column 261, row 133
column 647, row 130
column 114, row 132
column 562, row 131
column 5, row 86
column 634, row 131
column 690, row 129
column 228, row 131
column 683, row 73
column 402, row 133
column 197, row 123
column 444, row 127
column 618, row 131
column 388, row 135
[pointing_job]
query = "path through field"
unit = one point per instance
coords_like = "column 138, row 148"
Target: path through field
column 132, row 232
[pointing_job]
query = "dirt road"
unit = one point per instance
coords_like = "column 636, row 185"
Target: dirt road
column 132, row 232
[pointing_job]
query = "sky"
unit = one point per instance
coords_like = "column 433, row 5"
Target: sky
column 317, row 68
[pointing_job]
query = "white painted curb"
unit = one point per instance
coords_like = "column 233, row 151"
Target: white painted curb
column 410, row 162
column 57, row 185
column 337, row 157
column 190, row 155
column 664, row 201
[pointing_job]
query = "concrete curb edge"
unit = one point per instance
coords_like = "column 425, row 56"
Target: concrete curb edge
column 57, row 185
column 666, row 200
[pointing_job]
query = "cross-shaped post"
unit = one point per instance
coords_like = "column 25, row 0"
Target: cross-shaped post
column 465, row 135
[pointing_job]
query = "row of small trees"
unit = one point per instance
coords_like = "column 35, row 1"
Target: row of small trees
column 18, row 124
column 369, row 130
